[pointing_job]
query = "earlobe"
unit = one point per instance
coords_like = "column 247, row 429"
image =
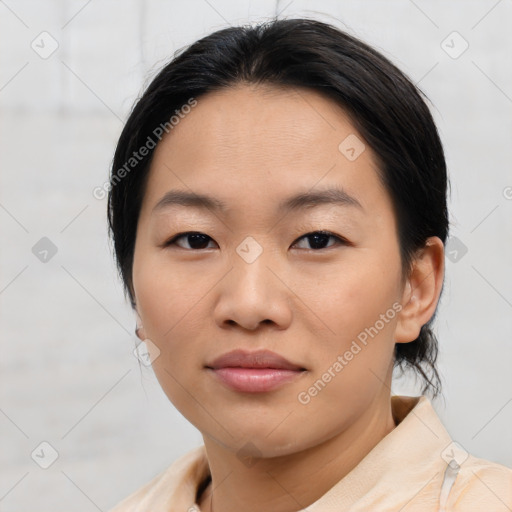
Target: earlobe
column 421, row 291
column 139, row 329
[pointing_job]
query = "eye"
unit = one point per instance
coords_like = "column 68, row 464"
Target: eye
column 319, row 239
column 195, row 240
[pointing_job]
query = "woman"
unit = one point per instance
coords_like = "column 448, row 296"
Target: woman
column 278, row 210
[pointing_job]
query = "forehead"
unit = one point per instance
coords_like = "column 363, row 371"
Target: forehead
column 263, row 122
column 264, row 143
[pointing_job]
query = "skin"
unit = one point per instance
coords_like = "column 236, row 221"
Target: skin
column 304, row 303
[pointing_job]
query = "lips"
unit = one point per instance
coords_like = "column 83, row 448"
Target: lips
column 257, row 359
column 254, row 372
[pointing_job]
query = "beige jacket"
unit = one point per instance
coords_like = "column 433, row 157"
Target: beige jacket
column 415, row 468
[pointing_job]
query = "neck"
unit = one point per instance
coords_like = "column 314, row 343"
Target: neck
column 277, row 483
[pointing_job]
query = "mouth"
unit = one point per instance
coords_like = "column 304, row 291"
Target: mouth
column 254, row 372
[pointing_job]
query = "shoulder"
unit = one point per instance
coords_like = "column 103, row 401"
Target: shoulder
column 176, row 484
column 482, row 485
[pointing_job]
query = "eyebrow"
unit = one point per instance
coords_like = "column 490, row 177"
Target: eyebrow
column 333, row 196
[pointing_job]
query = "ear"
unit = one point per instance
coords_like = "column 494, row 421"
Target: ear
column 139, row 330
column 421, row 291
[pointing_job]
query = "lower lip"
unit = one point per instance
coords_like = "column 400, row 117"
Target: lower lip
column 255, row 380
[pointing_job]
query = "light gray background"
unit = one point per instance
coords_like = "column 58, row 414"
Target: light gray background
column 68, row 375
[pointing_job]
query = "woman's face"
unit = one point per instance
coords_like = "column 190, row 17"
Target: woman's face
column 254, row 281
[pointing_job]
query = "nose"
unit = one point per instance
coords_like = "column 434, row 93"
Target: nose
column 253, row 294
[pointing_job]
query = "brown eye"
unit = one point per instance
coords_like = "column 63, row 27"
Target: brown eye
column 194, row 239
column 319, row 239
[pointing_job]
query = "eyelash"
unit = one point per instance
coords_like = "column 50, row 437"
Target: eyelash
column 339, row 240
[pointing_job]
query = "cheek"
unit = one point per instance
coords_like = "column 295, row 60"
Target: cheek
column 167, row 295
column 172, row 302
column 353, row 294
column 353, row 361
column 169, row 307
column 357, row 302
